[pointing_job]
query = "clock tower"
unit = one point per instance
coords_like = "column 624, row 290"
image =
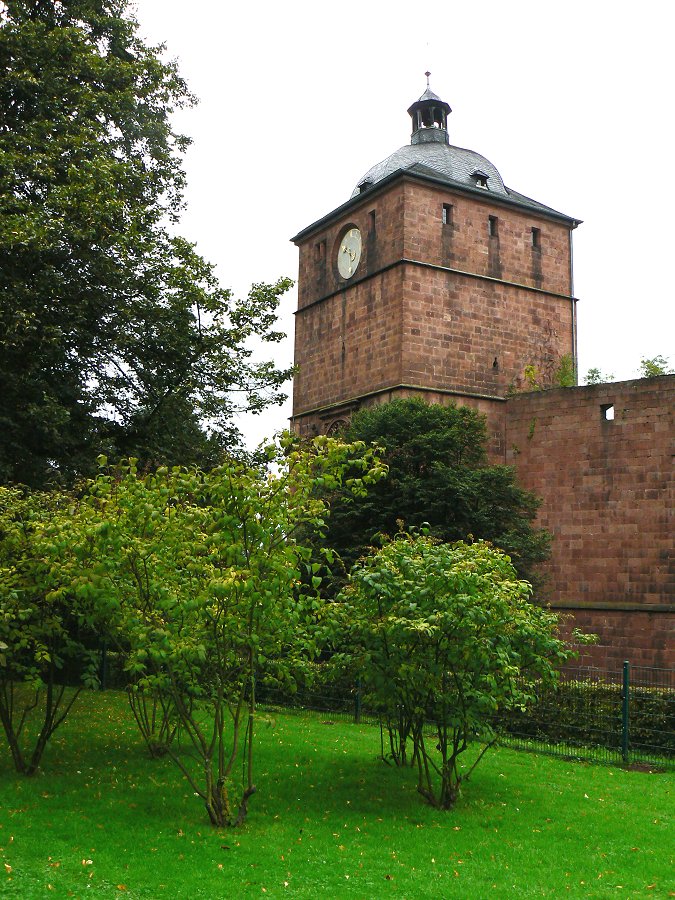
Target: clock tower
column 433, row 279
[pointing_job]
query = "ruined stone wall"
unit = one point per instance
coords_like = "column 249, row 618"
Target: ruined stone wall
column 600, row 458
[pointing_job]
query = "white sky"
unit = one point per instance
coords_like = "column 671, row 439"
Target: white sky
column 572, row 101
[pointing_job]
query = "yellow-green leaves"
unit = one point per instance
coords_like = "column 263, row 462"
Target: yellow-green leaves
column 442, row 637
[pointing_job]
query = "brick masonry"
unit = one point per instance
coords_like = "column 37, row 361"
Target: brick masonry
column 434, row 305
column 607, row 496
column 454, row 296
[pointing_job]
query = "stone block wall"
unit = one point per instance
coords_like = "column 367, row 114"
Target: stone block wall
column 478, row 335
column 454, row 296
column 459, row 306
column 380, row 221
column 600, row 458
column 468, row 241
column 349, row 344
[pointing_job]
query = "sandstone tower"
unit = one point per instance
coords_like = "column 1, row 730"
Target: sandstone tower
column 433, row 279
column 436, row 280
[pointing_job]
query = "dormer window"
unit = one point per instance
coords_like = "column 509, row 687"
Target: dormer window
column 480, row 179
column 364, row 186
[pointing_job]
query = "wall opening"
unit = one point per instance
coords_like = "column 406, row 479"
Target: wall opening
column 493, row 223
column 607, row 412
column 447, row 214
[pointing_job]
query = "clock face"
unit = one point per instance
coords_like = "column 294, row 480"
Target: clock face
column 349, row 253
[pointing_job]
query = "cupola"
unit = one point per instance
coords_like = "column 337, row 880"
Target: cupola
column 429, row 117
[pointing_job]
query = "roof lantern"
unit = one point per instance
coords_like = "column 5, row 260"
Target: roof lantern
column 429, row 117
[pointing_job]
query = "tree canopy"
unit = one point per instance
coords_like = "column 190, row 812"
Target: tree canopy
column 115, row 335
column 439, row 477
column 195, row 577
column 47, row 634
column 443, row 637
column 652, row 368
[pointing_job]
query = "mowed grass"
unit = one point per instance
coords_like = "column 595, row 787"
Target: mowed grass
column 103, row 819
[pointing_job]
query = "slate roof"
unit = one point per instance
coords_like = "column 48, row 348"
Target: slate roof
column 429, row 95
column 451, row 165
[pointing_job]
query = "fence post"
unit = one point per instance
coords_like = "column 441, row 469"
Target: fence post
column 357, row 702
column 625, row 712
column 103, row 668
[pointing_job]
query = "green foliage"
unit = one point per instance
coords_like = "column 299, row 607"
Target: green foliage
column 652, row 368
column 438, row 476
column 532, row 378
column 649, row 368
column 595, row 376
column 114, row 334
column 206, row 572
column 443, row 637
column 565, row 375
column 550, row 376
column 47, row 632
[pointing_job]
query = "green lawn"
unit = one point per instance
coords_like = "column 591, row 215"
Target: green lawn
column 104, row 820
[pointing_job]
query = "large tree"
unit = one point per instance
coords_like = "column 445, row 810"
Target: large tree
column 114, row 333
column 438, row 476
column 197, row 575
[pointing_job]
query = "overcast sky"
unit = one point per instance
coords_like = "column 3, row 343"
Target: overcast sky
column 572, row 101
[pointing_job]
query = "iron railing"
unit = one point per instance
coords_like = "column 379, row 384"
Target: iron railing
column 621, row 717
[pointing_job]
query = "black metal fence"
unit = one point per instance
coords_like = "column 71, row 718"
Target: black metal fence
column 622, row 717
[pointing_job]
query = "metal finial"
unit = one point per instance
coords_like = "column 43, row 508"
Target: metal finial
column 427, row 74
